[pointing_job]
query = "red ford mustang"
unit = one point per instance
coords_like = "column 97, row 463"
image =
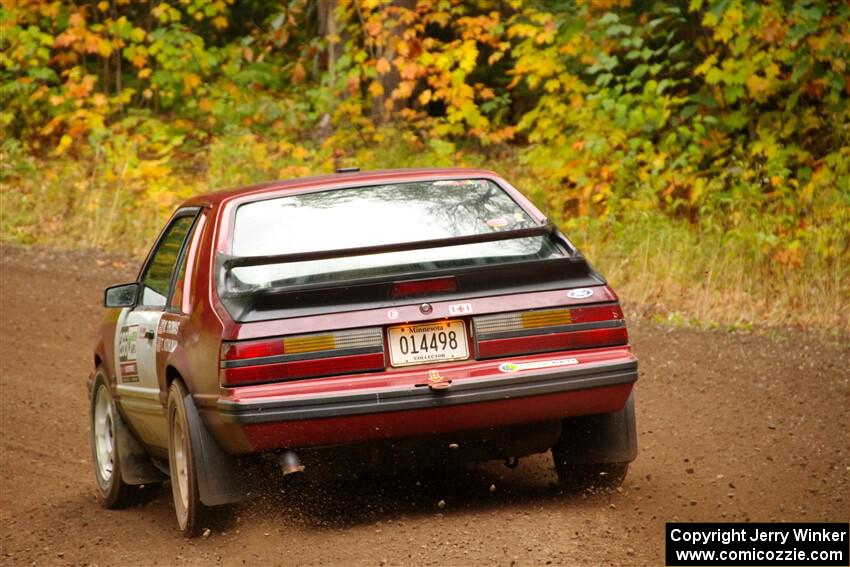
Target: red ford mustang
column 396, row 318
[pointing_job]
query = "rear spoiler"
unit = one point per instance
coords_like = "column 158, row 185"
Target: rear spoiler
column 228, row 262
column 342, row 295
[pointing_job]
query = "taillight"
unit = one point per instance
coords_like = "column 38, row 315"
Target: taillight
column 423, row 287
column 546, row 330
column 302, row 356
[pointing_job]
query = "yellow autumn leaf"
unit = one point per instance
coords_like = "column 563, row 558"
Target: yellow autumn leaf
column 299, row 152
column 468, row 56
column 139, row 59
column 376, row 88
column 190, row 81
column 383, row 66
column 373, row 28
column 64, row 144
column 546, row 35
column 153, row 168
column 771, row 71
column 706, row 65
column 103, row 48
column 757, row 86
column 425, row 97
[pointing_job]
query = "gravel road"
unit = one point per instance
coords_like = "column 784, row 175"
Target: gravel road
column 731, row 428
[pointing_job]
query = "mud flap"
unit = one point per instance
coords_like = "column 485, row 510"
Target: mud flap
column 136, row 466
column 600, row 438
column 220, row 479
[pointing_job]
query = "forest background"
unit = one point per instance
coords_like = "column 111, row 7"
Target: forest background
column 697, row 151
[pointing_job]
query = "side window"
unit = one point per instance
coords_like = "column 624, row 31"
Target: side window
column 156, row 281
column 181, row 289
column 177, row 295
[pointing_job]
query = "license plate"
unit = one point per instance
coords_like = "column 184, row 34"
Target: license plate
column 425, row 343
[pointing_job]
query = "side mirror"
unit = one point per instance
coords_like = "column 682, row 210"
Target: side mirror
column 123, row 295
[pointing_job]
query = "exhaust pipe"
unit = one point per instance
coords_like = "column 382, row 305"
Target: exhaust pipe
column 290, row 463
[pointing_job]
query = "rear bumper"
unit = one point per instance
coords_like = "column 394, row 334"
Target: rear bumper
column 407, row 399
column 501, row 398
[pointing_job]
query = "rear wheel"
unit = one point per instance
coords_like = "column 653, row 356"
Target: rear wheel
column 191, row 513
column 594, row 451
column 114, row 492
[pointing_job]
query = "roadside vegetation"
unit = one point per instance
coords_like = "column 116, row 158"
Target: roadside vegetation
column 698, row 152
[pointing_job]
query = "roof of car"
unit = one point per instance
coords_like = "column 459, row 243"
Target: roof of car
column 338, row 181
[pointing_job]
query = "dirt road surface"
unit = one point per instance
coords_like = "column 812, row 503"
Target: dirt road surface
column 731, row 428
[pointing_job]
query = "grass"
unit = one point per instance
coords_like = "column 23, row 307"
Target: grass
column 681, row 276
column 670, row 271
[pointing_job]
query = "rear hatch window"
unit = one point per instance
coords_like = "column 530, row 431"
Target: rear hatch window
column 376, row 216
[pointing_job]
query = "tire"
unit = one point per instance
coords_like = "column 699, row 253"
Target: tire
column 580, row 477
column 190, row 512
column 114, row 492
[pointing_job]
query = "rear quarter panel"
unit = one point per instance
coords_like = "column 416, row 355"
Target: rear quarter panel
column 197, row 335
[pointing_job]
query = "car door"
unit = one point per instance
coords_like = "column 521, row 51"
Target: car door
column 136, row 342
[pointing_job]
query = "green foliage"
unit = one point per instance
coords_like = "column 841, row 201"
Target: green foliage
column 722, row 122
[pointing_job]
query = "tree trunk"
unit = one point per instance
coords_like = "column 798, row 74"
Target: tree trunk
column 328, row 27
column 389, row 81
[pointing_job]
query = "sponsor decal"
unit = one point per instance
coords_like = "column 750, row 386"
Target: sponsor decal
column 460, row 308
column 129, row 372
column 518, row 366
column 580, row 293
column 168, row 327
column 165, row 345
column 392, row 314
column 127, row 339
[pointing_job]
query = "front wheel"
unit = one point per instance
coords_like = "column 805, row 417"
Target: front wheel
column 181, row 460
column 114, row 492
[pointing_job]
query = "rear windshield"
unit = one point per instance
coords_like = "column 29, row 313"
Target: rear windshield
column 379, row 215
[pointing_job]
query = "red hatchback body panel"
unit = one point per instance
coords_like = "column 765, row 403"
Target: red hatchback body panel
column 485, row 391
